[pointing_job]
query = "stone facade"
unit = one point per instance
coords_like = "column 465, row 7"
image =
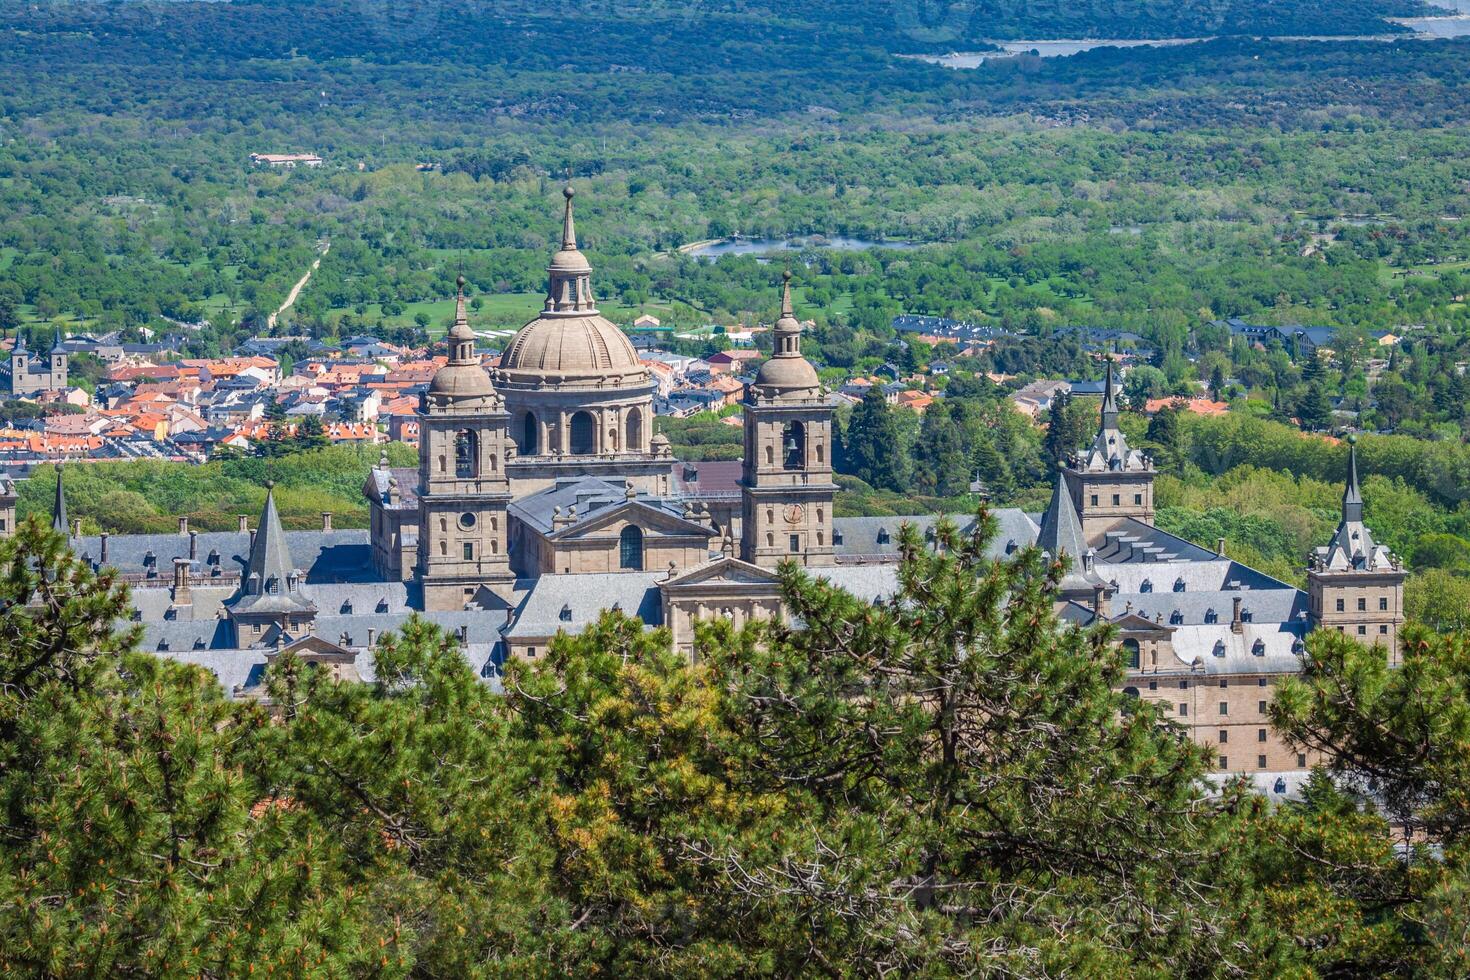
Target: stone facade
column 464, row 489
column 786, row 511
column 30, row 375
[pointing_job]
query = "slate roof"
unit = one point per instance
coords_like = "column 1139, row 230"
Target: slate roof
column 325, row 556
column 582, row 599
column 589, row 495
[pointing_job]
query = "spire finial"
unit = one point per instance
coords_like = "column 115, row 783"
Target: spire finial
column 786, row 294
column 568, row 226
column 460, row 316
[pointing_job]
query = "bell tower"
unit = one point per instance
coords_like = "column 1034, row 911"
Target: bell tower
column 786, row 479
column 463, row 488
column 1353, row 584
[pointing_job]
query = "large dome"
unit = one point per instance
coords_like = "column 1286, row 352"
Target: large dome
column 571, row 348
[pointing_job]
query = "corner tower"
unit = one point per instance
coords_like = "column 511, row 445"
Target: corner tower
column 786, row 479
column 463, row 487
column 1108, row 480
column 1353, row 584
column 272, row 606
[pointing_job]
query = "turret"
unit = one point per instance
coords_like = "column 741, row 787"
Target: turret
column 1354, row 585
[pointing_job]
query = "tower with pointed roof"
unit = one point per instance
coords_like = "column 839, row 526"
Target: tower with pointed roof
column 272, row 606
column 59, row 522
column 1353, row 584
column 786, row 477
column 1109, row 480
column 1060, row 536
column 464, row 489
column 580, row 399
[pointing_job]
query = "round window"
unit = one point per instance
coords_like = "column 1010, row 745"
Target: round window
column 466, row 521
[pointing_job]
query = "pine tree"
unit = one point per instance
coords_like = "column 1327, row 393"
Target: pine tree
column 872, row 448
column 991, row 467
column 1314, row 409
column 940, row 465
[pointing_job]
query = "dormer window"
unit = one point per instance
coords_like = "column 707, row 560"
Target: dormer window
column 347, row 607
column 1011, row 546
column 836, row 536
column 1147, row 586
column 1211, row 616
column 273, row 585
column 883, row 536
column 382, row 605
column 1179, row 585
column 566, row 614
column 1259, row 648
column 1246, row 616
column 1176, row 618
column 1219, row 649
column 150, row 559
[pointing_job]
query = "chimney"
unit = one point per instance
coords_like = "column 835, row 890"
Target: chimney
column 326, row 520
column 1220, row 547
column 184, row 525
column 371, row 633
column 244, row 523
column 181, row 596
column 1100, row 600
column 103, row 559
column 1235, row 620
column 252, row 541
column 193, row 545
column 76, row 528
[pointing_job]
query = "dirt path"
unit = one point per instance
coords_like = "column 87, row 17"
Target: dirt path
column 296, row 290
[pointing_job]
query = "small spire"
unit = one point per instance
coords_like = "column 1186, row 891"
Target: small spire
column 1352, row 494
column 58, row 508
column 1109, row 403
column 568, row 227
column 786, row 294
column 459, row 312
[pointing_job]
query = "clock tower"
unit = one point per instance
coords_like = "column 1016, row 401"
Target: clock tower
column 786, row 480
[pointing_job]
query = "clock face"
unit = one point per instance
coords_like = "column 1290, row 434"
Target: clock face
column 794, row 513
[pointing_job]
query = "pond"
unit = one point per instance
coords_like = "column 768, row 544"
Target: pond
column 1423, row 28
column 765, row 246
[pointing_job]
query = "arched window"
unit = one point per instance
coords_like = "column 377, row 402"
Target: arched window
column 770, row 455
column 584, row 434
column 466, row 455
column 793, row 446
column 630, row 548
column 530, row 442
column 634, row 442
column 1147, row 586
column 1130, row 649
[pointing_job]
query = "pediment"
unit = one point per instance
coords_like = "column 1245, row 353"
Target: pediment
column 317, row 647
column 723, row 571
column 651, row 519
column 1134, row 623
